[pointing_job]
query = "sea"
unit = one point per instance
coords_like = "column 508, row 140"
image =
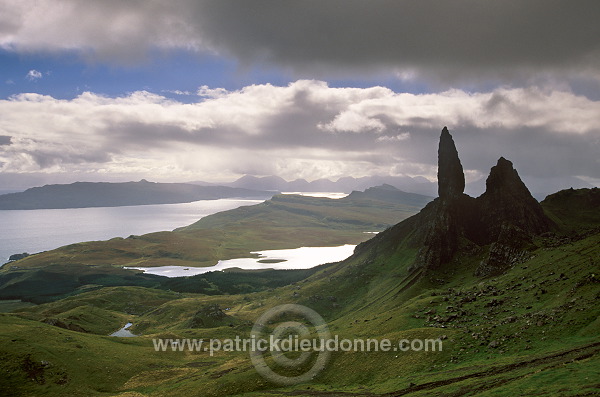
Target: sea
column 35, row 231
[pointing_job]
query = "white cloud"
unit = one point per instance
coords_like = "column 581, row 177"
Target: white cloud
column 33, row 75
column 206, row 91
column 507, row 108
column 305, row 129
column 350, row 121
column 178, row 92
column 391, row 138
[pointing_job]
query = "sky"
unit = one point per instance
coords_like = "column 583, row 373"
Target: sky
column 189, row 90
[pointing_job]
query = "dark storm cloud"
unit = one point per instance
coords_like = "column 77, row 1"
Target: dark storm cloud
column 459, row 38
column 48, row 158
column 5, row 140
column 447, row 40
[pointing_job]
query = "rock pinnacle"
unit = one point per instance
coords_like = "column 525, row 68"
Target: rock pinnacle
column 451, row 179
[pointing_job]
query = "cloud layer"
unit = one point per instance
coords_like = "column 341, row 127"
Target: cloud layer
column 460, row 40
column 306, row 129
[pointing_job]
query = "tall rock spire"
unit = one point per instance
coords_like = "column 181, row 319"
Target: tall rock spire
column 444, row 217
column 451, row 179
column 507, row 199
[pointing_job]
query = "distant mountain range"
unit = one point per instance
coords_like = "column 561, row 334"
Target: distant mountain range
column 417, row 184
column 540, row 188
column 105, row 194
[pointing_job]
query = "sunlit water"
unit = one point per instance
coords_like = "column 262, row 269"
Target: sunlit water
column 124, row 332
column 41, row 230
column 298, row 258
column 330, row 195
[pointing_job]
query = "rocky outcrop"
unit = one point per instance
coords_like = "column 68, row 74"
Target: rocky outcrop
column 451, row 179
column 503, row 218
column 508, row 250
column 16, row 257
column 61, row 324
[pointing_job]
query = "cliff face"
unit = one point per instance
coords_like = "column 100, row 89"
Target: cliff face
column 504, row 217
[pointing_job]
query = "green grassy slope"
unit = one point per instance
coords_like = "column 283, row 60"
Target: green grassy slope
column 545, row 330
column 101, row 311
column 532, row 330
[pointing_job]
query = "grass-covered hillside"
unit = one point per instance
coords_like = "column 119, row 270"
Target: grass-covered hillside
column 533, row 330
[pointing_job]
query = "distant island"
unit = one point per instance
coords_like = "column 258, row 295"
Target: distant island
column 106, row 194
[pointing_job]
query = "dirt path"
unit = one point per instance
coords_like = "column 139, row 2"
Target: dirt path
column 489, row 377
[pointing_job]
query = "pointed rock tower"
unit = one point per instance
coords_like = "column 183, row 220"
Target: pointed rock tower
column 443, row 219
column 451, row 179
column 504, row 218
